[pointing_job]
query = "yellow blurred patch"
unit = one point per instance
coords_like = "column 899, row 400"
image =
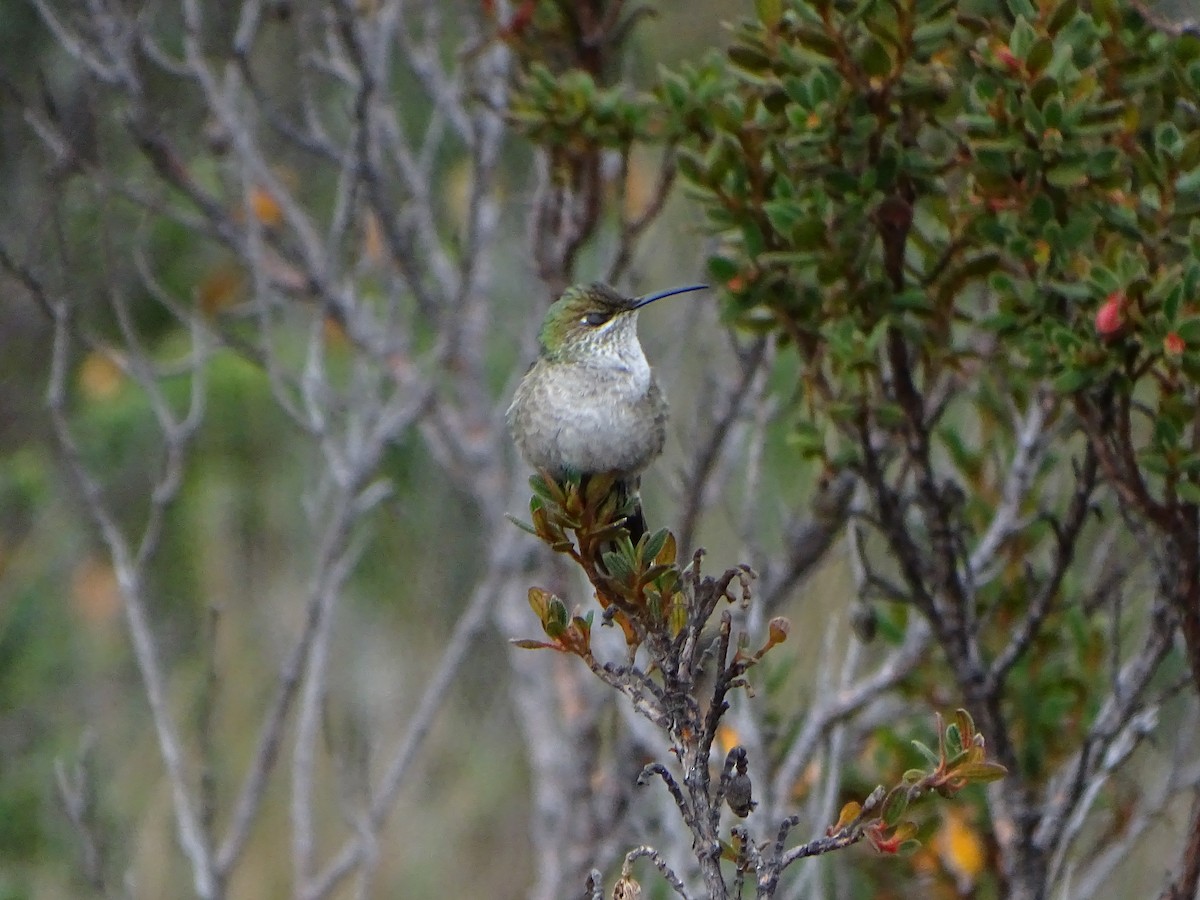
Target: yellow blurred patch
column 335, row 334
column 727, row 738
column 924, row 861
column 457, row 193
column 99, row 377
column 264, row 207
column 372, row 239
column 962, row 850
column 94, row 591
column 219, row 289
column 804, row 784
column 639, row 186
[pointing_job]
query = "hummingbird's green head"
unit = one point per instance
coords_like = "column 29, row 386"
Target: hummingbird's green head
column 594, row 319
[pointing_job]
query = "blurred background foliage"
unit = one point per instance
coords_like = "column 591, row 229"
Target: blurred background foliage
column 784, row 262
column 68, row 688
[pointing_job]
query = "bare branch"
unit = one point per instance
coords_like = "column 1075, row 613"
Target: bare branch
column 647, row 852
column 129, row 574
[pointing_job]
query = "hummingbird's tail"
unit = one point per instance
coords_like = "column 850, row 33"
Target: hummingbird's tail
column 630, row 499
column 631, row 510
column 635, row 519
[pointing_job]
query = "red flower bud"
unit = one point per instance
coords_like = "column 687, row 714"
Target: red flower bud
column 522, row 16
column 1108, row 316
column 1004, row 55
column 1173, row 344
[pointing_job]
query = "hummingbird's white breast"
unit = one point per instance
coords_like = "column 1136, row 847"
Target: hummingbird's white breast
column 622, row 351
column 599, row 410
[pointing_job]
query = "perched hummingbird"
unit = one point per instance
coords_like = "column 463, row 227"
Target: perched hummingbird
column 590, row 404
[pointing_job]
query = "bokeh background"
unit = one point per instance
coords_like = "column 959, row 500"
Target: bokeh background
column 226, row 586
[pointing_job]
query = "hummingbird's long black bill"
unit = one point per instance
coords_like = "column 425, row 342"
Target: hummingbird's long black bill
column 650, row 298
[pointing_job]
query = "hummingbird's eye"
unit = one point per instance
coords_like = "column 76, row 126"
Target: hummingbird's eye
column 596, row 319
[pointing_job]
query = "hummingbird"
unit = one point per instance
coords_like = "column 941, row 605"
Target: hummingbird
column 590, row 403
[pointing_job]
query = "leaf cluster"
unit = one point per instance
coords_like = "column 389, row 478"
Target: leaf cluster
column 664, row 608
column 640, row 586
column 960, row 760
column 981, row 179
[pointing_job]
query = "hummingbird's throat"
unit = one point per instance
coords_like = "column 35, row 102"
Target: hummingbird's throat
column 613, row 347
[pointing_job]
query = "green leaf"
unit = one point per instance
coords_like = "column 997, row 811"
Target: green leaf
column 749, row 58
column 599, row 487
column 1188, row 182
column 1103, row 162
column 1154, row 462
column 674, row 87
column 981, row 772
column 1168, row 139
column 667, row 554
column 1106, row 12
column 655, row 571
column 783, row 215
column 618, row 566
column 1190, row 285
column 876, row 61
column 933, row 32
column 808, row 439
column 912, row 299
column 522, row 525
column 1039, row 56
column 530, row 644
column 769, row 11
column 1189, row 330
column 582, row 625
column 556, row 611
column 1071, row 380
column 894, row 806
column 1022, row 9
column 930, row 756
column 1068, row 174
column 654, row 543
column 1022, row 39
column 721, row 268
column 545, row 489
column 1063, row 14
column 954, row 742
column 539, row 602
column 816, row 42
column 1188, row 491
column 966, row 726
column 677, row 616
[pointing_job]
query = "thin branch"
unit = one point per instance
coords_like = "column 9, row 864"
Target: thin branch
column 76, row 792
column 129, row 579
column 848, row 701
column 1031, row 442
column 661, row 771
column 1069, row 785
column 505, row 559
column 647, row 852
column 722, row 410
column 1066, row 538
